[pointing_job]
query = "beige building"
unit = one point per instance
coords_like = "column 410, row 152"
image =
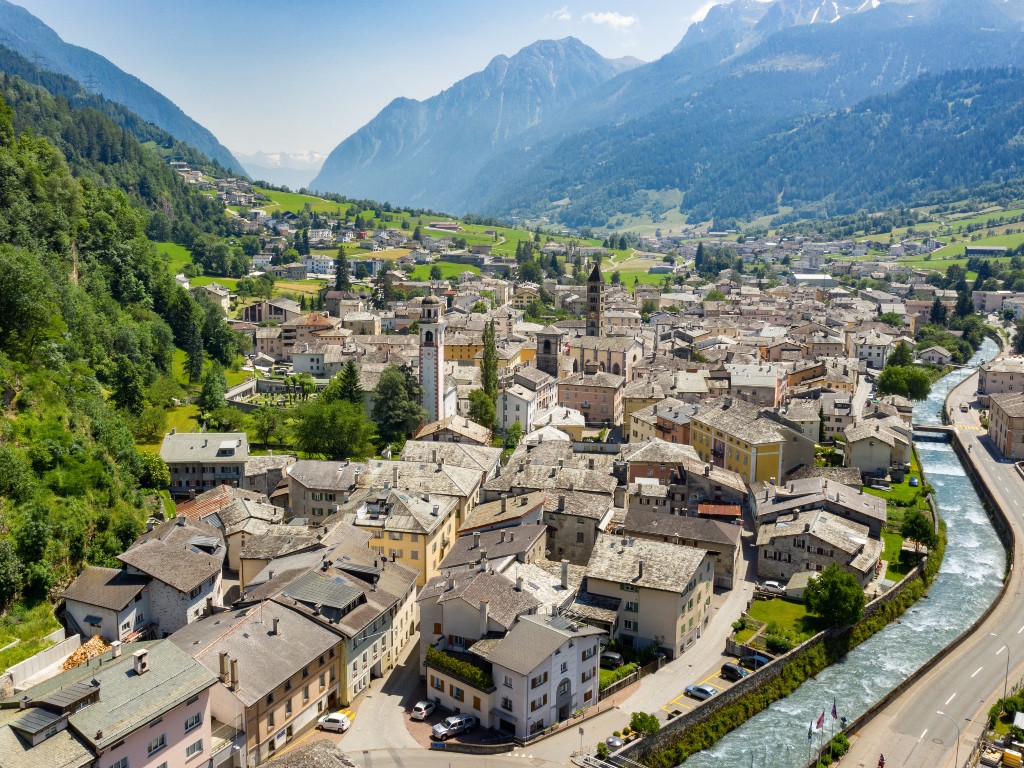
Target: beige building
column 199, row 461
column 1006, row 423
column 598, row 396
column 813, row 540
column 661, row 592
column 1005, row 374
column 876, row 446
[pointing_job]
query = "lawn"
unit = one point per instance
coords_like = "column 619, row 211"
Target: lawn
column 28, row 626
column 899, row 562
column 309, row 287
column 179, row 256
column 903, row 496
column 448, row 269
column 957, row 248
column 788, row 616
column 629, row 276
column 294, row 202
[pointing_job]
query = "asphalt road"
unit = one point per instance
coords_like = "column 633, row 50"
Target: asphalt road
column 910, row 732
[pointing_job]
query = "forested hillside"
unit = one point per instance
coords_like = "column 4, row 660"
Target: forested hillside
column 89, row 320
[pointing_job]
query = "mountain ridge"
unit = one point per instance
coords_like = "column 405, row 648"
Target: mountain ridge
column 29, row 36
column 412, row 139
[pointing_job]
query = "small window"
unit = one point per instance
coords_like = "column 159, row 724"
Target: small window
column 193, row 721
column 155, row 745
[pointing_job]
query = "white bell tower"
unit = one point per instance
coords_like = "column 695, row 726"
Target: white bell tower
column 432, row 357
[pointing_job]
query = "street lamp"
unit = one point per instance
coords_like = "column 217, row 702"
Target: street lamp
column 955, row 725
column 1006, row 679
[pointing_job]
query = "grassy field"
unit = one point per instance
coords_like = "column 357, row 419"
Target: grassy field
column 448, row 269
column 629, row 276
column 957, row 249
column 608, row 676
column 791, row 617
column 292, row 201
column 899, row 562
column 27, row 626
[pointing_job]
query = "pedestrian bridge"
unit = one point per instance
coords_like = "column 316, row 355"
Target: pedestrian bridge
column 935, row 433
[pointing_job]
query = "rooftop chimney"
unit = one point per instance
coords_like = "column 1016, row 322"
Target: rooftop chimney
column 394, row 475
column 140, row 662
column 476, row 539
column 277, row 627
column 234, row 674
column 224, row 666
column 484, row 607
column 519, row 583
column 590, row 463
column 565, row 574
column 433, row 456
column 149, row 526
column 115, row 649
column 640, row 569
column 209, row 606
column 561, row 501
column 504, row 503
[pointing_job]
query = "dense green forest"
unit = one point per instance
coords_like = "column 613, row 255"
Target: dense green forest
column 933, row 140
column 89, row 320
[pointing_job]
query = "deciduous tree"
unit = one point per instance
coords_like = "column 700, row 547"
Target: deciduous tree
column 836, row 596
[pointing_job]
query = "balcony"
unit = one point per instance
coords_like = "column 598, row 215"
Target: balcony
column 225, row 741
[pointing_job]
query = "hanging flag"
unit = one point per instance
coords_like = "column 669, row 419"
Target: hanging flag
column 821, row 721
column 810, row 731
column 835, row 714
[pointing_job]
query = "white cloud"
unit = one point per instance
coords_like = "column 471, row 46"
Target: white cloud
column 562, row 14
column 611, row 19
column 701, row 12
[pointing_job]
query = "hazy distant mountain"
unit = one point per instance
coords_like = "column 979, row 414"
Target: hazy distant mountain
column 22, row 32
column 291, row 169
column 419, row 151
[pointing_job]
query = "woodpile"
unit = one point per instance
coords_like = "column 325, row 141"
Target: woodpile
column 90, row 649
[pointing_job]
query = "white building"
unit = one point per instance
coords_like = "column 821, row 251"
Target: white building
column 432, row 328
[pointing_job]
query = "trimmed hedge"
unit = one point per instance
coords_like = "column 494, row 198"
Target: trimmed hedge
column 463, row 670
column 794, row 673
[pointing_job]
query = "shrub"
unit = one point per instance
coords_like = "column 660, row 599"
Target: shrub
column 460, row 669
column 617, row 734
column 777, row 644
column 739, row 625
column 602, row 751
column 840, row 744
column 644, row 724
column 626, row 731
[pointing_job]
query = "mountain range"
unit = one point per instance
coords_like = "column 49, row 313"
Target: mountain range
column 24, row 33
column 557, row 131
column 290, row 169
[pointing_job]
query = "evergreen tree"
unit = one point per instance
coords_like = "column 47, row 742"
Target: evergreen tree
column 383, row 289
column 822, row 436
column 211, row 396
column 900, row 356
column 342, row 281
column 194, row 356
column 938, row 313
column 350, row 388
column 396, row 407
column 489, row 364
column 964, row 305
column 698, row 260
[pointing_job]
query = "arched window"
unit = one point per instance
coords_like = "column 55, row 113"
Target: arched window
column 547, row 346
column 615, row 368
column 429, row 337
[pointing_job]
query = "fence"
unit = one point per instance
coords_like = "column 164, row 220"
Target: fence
column 629, row 679
column 65, row 647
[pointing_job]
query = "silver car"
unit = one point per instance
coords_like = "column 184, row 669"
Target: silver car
column 423, row 709
column 453, row 726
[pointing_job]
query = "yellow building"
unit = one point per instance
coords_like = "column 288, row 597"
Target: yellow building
column 732, row 433
column 462, row 346
column 409, row 529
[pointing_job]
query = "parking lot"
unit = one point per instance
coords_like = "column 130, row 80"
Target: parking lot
column 684, row 703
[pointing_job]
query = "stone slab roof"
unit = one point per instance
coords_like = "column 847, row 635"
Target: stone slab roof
column 111, row 588
column 667, row 567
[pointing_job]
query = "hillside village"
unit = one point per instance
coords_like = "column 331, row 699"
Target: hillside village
column 665, row 463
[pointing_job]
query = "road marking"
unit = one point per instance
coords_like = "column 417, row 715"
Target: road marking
column 921, row 737
column 950, row 699
column 1001, row 649
column 977, row 671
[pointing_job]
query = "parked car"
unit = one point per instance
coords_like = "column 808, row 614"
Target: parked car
column 612, row 660
column 701, row 692
column 754, row 661
column 613, row 742
column 423, row 709
column 335, row 721
column 453, row 726
column 732, row 672
column 773, row 588
column 914, row 482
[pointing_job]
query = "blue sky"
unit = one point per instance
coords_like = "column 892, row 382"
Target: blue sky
column 296, row 76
